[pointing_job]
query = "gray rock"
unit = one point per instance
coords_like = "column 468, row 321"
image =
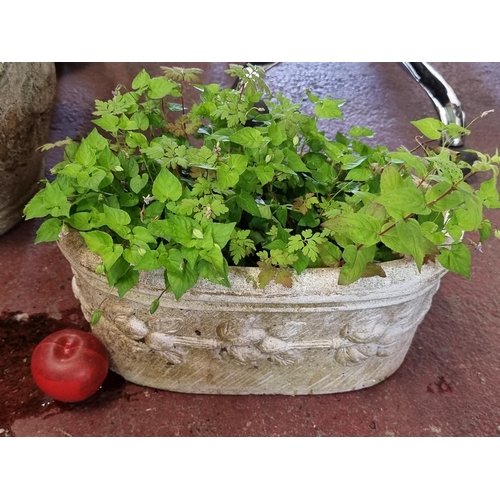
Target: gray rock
column 27, row 93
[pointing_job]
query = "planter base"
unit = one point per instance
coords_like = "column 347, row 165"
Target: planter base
column 315, row 338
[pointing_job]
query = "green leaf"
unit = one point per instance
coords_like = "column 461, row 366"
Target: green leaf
column 312, row 97
column 148, row 260
column 36, row 206
column 109, row 123
column 116, row 216
column 265, row 211
column 213, row 274
column 91, row 178
column 117, row 220
column 430, row 230
column 154, row 152
column 97, row 241
column 141, row 119
column 176, row 227
column 141, row 80
column 454, row 230
column 484, row 230
column 277, row 134
column 295, row 161
column 222, row 233
column 160, row 87
column 127, row 281
column 71, row 170
column 138, row 182
column 181, row 276
column 359, row 174
column 406, row 238
column 457, row 259
column 127, row 124
column 80, row 221
column 355, row 263
column 237, row 162
column 404, row 201
column 117, row 270
column 375, row 210
column 55, row 200
column 488, row 192
column 247, row 203
column 136, row 140
column 391, row 180
column 301, row 263
column 48, row 231
column 360, row 228
column 329, row 254
column 430, row 127
column 247, row 137
column 328, row 108
column 96, row 141
column 107, row 159
column 191, row 255
column 265, row 173
column 470, row 217
column 111, row 254
column 351, row 161
column 167, row 186
column 214, row 256
column 360, row 132
column 226, row 177
column 438, row 201
column 414, row 162
column 142, row 234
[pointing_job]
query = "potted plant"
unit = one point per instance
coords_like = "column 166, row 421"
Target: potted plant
column 228, row 246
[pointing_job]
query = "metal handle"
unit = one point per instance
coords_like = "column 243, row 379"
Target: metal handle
column 443, row 97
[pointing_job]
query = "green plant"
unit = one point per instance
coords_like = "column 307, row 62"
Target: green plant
column 230, row 180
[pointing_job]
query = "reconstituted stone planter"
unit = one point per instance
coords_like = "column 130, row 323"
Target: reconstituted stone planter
column 314, row 338
column 27, row 93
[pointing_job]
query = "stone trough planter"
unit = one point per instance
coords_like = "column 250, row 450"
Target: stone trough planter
column 314, row 338
column 27, row 93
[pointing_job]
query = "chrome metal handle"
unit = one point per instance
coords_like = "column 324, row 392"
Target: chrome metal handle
column 448, row 107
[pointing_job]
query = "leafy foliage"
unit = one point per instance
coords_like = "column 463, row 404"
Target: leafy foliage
column 234, row 181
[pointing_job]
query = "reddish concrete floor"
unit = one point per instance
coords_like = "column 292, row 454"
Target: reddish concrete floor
column 449, row 382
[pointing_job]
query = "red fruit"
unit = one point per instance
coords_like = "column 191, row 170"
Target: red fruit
column 69, row 365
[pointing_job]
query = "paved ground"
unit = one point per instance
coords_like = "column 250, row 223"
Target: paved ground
column 448, row 384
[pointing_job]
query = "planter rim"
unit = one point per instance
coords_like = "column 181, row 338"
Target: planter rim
column 312, row 286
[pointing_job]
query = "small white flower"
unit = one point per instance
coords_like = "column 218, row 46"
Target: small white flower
column 147, row 199
column 478, row 247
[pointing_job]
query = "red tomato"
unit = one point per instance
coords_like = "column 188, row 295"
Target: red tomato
column 69, row 365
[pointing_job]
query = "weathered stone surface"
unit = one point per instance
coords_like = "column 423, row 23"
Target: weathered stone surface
column 314, row 338
column 27, row 92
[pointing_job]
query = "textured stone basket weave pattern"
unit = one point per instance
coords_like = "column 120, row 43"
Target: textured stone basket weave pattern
column 314, row 338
